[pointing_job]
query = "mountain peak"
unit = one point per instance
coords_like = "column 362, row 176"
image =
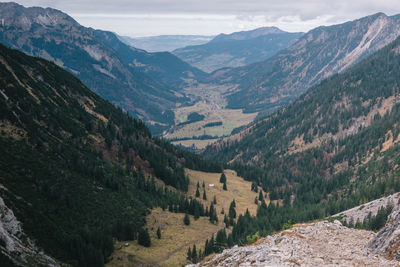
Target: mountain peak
column 24, row 17
column 243, row 35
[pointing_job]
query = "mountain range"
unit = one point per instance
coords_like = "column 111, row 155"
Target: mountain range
column 131, row 78
column 79, row 177
column 237, row 49
column 162, row 43
column 265, row 86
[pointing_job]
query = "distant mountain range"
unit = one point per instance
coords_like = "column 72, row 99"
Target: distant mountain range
column 165, row 42
column 144, row 84
column 265, row 86
column 237, row 49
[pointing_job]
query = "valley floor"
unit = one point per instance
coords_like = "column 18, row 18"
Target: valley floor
column 176, row 238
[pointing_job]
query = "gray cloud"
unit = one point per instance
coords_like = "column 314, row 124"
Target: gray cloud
column 148, row 17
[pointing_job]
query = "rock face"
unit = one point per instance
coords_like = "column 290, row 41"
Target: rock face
column 16, row 245
column 387, row 242
column 316, row 244
column 359, row 213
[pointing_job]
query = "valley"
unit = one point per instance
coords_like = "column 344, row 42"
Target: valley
column 258, row 147
column 209, row 101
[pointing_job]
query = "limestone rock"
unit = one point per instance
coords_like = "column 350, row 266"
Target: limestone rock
column 314, row 244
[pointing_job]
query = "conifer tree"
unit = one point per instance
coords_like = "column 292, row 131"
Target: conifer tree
column 204, row 195
column 261, row 196
column 224, row 187
column 222, row 179
column 194, row 254
column 144, row 238
column 159, row 233
column 186, row 219
column 197, row 192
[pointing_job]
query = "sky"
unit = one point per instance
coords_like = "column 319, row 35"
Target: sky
column 137, row 18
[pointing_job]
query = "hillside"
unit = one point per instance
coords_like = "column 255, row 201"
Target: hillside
column 237, row 49
column 75, row 171
column 144, row 84
column 332, row 149
column 318, row 54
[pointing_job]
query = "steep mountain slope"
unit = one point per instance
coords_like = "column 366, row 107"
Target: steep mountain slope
column 165, row 42
column 73, row 167
column 320, row 53
column 131, row 78
column 340, row 109
column 335, row 147
column 237, row 49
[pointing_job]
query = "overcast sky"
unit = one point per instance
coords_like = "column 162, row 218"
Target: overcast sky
column 210, row 17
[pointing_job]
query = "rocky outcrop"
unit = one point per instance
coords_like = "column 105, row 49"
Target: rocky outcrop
column 359, row 213
column 16, row 245
column 315, row 244
column 387, row 242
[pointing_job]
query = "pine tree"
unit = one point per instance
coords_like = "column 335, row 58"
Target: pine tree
column 159, row 233
column 196, row 212
column 224, row 187
column 189, row 254
column 194, row 254
column 222, row 179
column 197, row 192
column 144, row 238
column 186, row 219
column 215, row 200
column 204, row 195
column 261, row 196
column 204, row 185
column 226, row 221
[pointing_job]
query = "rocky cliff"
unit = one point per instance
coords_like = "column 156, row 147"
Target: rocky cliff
column 387, row 242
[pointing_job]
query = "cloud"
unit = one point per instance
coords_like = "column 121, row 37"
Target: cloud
column 139, row 17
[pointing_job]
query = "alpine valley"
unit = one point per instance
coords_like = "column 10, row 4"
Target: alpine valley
column 297, row 141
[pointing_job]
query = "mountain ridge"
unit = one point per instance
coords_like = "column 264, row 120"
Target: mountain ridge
column 268, row 85
column 98, row 58
column 237, row 49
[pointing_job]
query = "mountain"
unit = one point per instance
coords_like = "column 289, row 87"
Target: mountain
column 320, row 53
column 237, row 49
column 165, row 42
column 335, row 147
column 76, row 172
column 131, row 78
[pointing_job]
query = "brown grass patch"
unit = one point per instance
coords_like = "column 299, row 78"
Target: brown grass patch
column 176, row 237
